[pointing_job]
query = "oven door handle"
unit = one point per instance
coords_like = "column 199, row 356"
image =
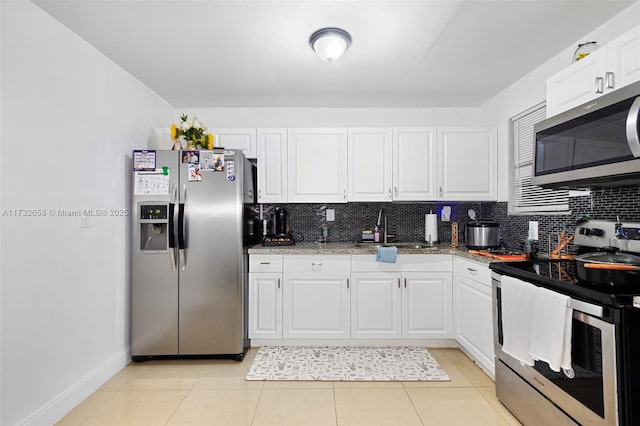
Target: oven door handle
column 576, row 305
column 587, row 308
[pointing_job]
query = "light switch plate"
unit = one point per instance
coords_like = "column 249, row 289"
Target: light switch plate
column 331, row 215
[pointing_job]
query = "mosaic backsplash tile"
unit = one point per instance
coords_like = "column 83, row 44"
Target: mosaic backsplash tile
column 406, row 220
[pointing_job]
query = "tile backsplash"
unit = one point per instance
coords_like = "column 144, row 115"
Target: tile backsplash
column 406, row 220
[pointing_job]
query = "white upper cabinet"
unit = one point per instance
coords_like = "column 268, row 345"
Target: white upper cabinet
column 370, row 164
column 237, row 138
column 272, row 165
column 623, row 60
column 612, row 66
column 414, row 164
column 317, row 165
column 467, row 157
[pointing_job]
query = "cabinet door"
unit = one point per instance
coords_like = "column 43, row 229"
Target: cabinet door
column 623, row 60
column 474, row 326
column 414, row 164
column 272, row 165
column 244, row 139
column 317, row 165
column 265, row 305
column 426, row 305
column 315, row 306
column 576, row 84
column 468, row 160
column 370, row 164
column 375, row 305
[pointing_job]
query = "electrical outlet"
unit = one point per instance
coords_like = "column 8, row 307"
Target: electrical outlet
column 331, row 215
column 533, row 230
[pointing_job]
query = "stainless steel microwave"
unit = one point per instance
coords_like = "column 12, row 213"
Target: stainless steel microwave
column 593, row 145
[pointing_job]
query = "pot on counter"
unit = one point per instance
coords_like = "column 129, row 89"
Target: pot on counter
column 611, row 271
column 482, row 234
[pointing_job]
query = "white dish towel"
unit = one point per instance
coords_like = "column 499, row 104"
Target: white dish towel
column 551, row 331
column 517, row 313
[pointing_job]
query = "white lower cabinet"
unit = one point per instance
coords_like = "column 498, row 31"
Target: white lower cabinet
column 350, row 296
column 376, row 304
column 474, row 311
column 427, row 305
column 409, row 299
column 316, row 296
column 265, row 297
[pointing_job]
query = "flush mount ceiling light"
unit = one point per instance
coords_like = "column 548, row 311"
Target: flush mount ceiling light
column 330, row 43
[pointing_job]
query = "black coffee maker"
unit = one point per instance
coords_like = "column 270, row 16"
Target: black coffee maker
column 280, row 221
column 280, row 235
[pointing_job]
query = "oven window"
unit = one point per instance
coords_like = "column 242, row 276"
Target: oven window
column 586, row 359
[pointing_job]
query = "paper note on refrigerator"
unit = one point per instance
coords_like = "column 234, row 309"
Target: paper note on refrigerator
column 151, row 183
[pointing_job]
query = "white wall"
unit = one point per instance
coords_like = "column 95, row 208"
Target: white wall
column 70, row 118
column 531, row 89
column 334, row 117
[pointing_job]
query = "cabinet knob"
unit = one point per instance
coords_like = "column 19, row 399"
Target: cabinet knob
column 599, row 87
column 610, row 80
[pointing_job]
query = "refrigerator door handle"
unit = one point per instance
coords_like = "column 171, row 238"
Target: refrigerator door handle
column 182, row 228
column 172, row 232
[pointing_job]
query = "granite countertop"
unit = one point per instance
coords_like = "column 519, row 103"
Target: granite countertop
column 365, row 248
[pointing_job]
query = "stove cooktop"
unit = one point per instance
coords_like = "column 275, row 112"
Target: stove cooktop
column 559, row 275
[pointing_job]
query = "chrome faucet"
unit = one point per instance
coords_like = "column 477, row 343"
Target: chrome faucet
column 385, row 235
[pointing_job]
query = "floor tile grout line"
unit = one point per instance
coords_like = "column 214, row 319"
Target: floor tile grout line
column 415, row 409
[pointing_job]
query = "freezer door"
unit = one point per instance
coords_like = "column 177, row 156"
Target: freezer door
column 154, row 276
column 211, row 289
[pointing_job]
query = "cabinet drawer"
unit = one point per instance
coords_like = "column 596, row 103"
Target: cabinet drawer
column 476, row 271
column 332, row 264
column 404, row 263
column 265, row 263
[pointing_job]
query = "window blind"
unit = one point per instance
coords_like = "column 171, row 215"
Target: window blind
column 526, row 197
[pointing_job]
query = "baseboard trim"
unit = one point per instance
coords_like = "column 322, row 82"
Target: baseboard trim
column 432, row 343
column 57, row 407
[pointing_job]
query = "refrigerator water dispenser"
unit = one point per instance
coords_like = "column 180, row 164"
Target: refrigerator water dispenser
column 153, row 227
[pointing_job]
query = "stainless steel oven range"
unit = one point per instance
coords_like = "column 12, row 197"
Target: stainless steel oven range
column 604, row 379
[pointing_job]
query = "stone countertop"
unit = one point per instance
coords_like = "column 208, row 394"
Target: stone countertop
column 366, row 248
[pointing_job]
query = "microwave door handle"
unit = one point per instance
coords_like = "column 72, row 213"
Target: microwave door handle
column 633, row 139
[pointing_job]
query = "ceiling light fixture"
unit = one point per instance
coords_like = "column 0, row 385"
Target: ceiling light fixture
column 330, row 43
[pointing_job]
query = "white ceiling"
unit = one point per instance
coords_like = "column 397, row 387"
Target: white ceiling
column 421, row 53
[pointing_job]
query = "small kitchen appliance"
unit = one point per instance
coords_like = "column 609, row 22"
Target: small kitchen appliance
column 603, row 382
column 281, row 235
column 482, row 234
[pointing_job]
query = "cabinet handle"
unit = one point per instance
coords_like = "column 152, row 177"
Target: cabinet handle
column 398, row 282
column 344, row 194
column 265, row 263
column 316, row 264
column 395, row 190
column 347, row 282
column 278, row 282
column 405, row 283
column 472, row 271
column 259, row 194
column 390, row 196
column 440, row 191
column 599, row 85
column 610, row 80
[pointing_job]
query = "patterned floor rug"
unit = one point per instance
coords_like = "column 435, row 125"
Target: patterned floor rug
column 345, row 363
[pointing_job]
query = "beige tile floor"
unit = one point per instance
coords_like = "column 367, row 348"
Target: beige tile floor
column 214, row 392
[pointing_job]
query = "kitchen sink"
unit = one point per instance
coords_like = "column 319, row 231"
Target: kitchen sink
column 400, row 245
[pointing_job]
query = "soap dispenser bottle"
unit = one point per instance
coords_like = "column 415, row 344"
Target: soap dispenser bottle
column 376, row 234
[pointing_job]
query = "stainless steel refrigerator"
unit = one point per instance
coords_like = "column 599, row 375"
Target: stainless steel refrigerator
column 188, row 254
